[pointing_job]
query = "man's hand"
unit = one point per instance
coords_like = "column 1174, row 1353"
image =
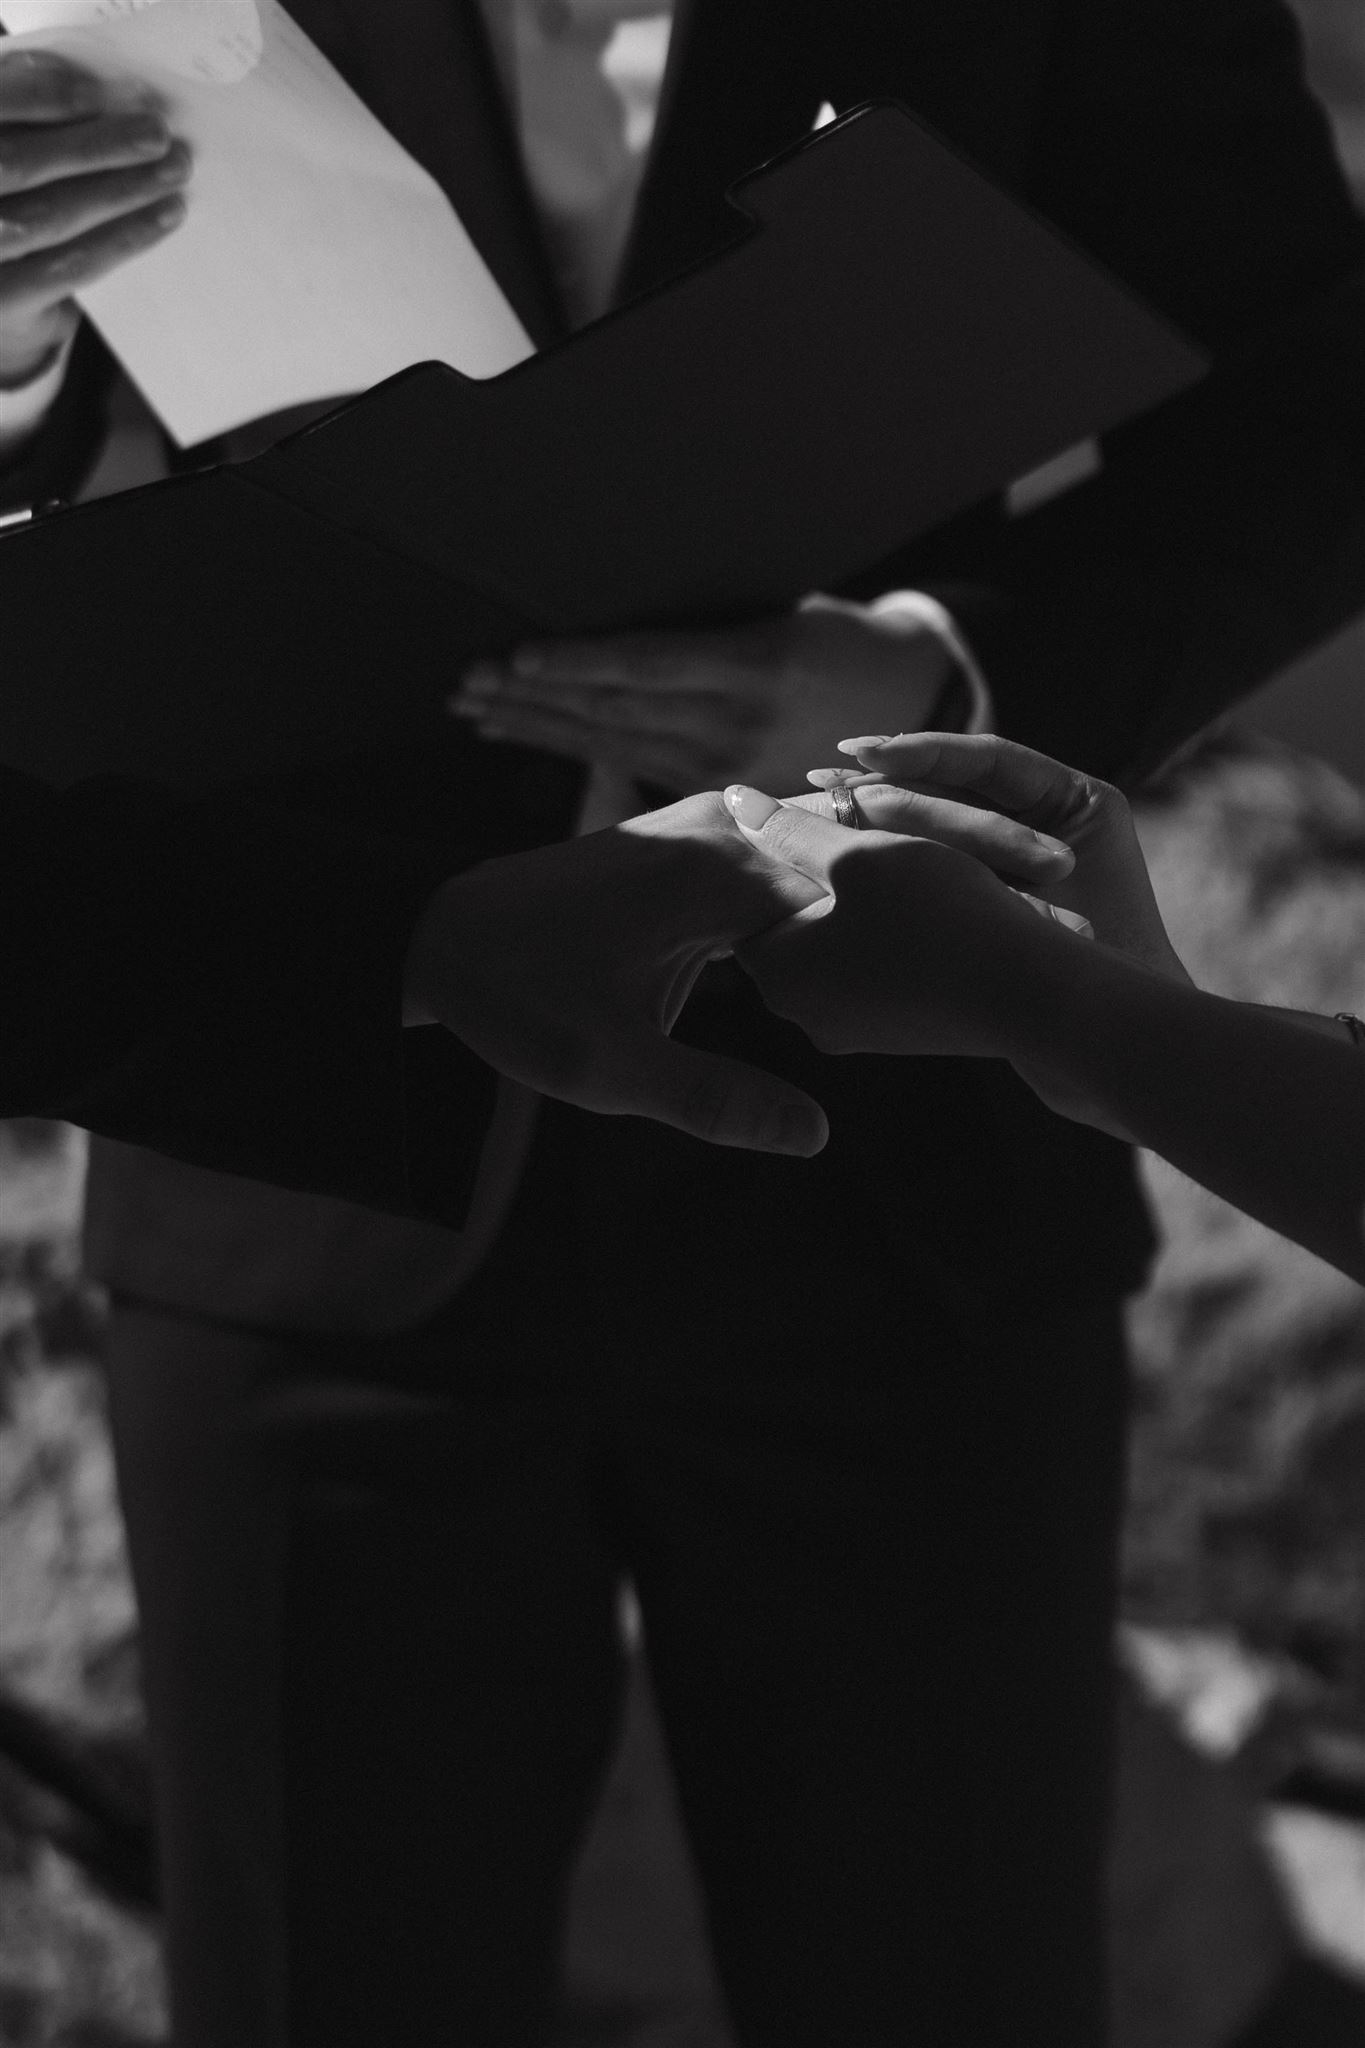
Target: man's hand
column 89, row 176
column 691, row 710
column 565, row 968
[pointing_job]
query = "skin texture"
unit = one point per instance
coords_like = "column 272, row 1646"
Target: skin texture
column 90, row 176
column 1107, row 883
column 921, row 948
column 690, row 710
column 520, row 959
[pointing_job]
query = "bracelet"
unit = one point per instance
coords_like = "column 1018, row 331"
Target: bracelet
column 1354, row 1025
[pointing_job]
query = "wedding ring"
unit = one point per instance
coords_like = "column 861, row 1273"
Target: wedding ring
column 846, row 810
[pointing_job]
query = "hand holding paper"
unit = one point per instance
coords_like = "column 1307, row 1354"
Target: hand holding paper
column 317, row 257
column 89, row 177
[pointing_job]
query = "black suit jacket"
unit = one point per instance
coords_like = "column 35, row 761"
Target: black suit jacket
column 219, row 980
column 1224, row 535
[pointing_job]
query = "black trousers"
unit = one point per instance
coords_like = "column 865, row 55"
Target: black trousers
column 870, row 1518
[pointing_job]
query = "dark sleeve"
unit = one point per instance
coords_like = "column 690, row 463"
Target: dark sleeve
column 1226, row 533
column 222, row 981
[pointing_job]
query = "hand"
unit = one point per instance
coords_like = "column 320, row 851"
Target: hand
column 916, row 947
column 1107, row 882
column 565, row 968
column 89, row 177
column 690, row 710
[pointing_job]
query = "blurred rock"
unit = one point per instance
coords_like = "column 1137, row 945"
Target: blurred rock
column 1247, row 1507
column 1200, row 1933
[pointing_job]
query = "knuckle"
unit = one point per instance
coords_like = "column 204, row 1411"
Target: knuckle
column 885, row 806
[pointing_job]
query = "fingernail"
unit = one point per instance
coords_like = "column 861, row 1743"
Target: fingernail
column 861, row 746
column 750, row 806
column 174, row 166
column 798, row 1129
column 1056, row 846
column 170, row 213
column 528, row 661
column 847, row 778
column 149, row 138
column 480, row 681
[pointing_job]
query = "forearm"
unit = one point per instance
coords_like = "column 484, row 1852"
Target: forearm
column 1264, row 1107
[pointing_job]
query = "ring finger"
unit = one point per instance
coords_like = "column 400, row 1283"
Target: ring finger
column 1009, row 849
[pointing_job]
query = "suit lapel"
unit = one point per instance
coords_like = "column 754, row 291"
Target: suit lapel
column 425, row 69
column 741, row 85
column 752, row 74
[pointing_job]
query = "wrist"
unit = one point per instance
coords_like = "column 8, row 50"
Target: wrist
column 1061, row 997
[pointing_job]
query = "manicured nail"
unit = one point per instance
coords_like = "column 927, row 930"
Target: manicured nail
column 750, row 806
column 846, row 778
column 858, row 746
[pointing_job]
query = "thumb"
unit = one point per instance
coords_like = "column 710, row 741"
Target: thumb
column 720, row 1100
column 796, row 837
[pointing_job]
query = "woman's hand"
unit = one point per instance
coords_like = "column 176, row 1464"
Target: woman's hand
column 912, row 782
column 691, row 710
column 915, row 948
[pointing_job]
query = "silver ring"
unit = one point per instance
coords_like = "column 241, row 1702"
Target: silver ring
column 846, row 810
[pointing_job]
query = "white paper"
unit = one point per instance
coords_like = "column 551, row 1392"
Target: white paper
column 316, row 258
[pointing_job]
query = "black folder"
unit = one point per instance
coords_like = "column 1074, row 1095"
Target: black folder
column 888, row 341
